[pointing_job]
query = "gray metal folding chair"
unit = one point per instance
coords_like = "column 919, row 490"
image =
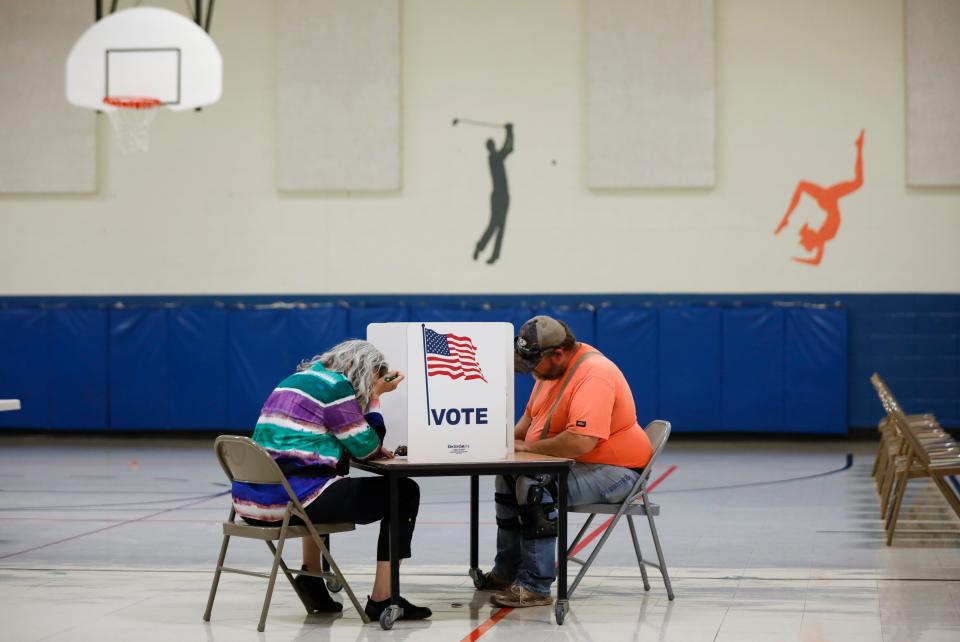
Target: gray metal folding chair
column 244, row 460
column 636, row 503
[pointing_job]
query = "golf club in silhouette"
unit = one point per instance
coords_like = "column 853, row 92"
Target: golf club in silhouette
column 476, row 123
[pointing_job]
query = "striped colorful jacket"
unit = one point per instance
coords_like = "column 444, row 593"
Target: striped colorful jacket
column 307, row 424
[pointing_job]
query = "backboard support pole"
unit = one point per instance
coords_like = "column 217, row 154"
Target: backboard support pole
column 206, row 24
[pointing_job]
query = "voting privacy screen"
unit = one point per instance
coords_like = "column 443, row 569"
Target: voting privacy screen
column 456, row 403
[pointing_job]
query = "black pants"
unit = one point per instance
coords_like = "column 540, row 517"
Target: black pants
column 364, row 500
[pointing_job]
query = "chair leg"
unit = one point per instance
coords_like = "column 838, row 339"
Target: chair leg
column 876, row 460
column 881, row 460
column 888, row 493
column 583, row 530
column 636, row 547
column 325, row 554
column 324, row 564
column 891, row 522
column 656, row 543
column 886, row 487
column 593, row 554
column 216, row 578
column 290, row 577
column 273, row 576
column 882, row 471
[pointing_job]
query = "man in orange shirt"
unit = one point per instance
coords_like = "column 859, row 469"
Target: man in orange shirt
column 581, row 408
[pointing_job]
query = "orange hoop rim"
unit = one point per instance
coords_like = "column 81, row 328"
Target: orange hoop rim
column 132, row 102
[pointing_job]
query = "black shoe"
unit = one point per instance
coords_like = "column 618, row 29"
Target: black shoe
column 410, row 611
column 315, row 593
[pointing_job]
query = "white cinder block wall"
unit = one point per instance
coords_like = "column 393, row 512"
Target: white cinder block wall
column 796, row 81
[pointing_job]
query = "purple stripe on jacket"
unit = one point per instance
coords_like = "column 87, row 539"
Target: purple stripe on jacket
column 303, row 409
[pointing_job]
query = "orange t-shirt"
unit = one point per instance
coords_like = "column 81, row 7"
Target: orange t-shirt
column 596, row 403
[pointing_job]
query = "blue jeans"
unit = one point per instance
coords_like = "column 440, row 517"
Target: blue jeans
column 531, row 563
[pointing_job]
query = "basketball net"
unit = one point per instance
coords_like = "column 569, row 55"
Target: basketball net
column 131, row 121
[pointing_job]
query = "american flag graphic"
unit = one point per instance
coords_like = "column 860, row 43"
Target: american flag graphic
column 451, row 356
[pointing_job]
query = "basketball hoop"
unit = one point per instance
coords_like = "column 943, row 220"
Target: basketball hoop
column 131, row 121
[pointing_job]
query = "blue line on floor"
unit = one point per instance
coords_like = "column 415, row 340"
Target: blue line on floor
column 846, row 466
column 956, row 484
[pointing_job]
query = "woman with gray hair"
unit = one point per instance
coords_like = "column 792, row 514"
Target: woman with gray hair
column 312, row 424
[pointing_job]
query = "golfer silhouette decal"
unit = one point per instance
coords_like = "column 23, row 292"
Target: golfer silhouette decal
column 500, row 195
column 827, row 198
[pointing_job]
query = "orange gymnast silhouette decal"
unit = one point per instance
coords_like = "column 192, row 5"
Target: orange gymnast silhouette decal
column 815, row 240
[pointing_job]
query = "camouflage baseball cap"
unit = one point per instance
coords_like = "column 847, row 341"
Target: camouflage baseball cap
column 539, row 334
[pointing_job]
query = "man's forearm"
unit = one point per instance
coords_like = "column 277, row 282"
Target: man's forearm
column 554, row 447
column 520, row 430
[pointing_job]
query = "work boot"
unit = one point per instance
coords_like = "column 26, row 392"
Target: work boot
column 519, row 597
column 493, row 582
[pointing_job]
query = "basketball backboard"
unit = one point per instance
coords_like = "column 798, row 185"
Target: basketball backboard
column 145, row 52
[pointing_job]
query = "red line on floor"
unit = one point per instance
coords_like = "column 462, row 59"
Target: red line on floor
column 486, row 626
column 504, row 612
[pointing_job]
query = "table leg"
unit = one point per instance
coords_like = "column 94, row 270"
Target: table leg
column 563, row 605
column 474, row 520
column 474, row 571
column 394, row 540
column 389, row 616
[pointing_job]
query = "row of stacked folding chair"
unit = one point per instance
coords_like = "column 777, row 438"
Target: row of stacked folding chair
column 911, row 447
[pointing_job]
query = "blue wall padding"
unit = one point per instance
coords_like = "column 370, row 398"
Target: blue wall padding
column 316, row 329
column 703, row 367
column 55, row 362
column 197, row 361
column 462, row 314
column 815, row 370
column 628, row 336
column 168, row 368
column 265, row 346
column 24, row 363
column 753, row 368
column 690, row 356
column 361, row 317
column 580, row 319
column 139, row 369
column 77, row 369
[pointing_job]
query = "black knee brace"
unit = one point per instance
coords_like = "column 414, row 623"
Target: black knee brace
column 538, row 519
column 507, row 499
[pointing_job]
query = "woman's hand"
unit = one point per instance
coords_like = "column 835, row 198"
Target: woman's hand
column 520, row 446
column 383, row 453
column 387, row 383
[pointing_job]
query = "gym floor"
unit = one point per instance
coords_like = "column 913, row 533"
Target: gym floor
column 104, row 539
